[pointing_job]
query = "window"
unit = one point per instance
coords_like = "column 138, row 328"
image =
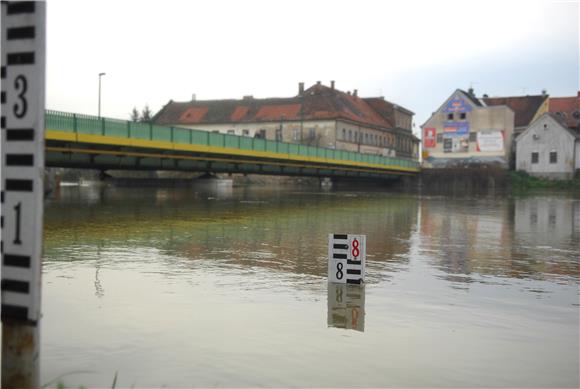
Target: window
column 473, row 136
column 535, row 157
column 344, row 134
column 296, row 134
column 366, row 138
column 246, row 132
column 278, row 134
column 232, row 132
column 439, row 138
column 553, row 157
column 462, row 116
column 450, row 116
column 260, row 134
column 447, row 145
column 311, row 133
column 350, row 135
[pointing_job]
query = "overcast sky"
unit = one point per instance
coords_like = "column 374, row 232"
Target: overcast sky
column 415, row 53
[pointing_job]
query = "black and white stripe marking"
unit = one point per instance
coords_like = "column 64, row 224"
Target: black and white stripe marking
column 343, row 267
column 22, row 73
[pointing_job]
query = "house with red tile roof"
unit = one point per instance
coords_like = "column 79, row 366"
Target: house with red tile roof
column 550, row 146
column 320, row 116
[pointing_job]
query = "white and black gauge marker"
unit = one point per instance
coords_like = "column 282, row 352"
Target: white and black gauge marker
column 22, row 128
column 346, row 258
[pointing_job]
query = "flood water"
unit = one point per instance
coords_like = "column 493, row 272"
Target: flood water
column 173, row 287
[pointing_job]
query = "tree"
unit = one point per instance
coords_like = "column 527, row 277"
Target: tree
column 146, row 114
column 134, row 115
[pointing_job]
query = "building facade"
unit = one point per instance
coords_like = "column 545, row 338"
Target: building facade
column 464, row 131
column 548, row 148
column 319, row 116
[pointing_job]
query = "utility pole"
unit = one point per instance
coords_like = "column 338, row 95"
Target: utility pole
column 100, row 75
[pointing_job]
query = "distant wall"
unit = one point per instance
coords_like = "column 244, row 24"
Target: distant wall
column 463, row 180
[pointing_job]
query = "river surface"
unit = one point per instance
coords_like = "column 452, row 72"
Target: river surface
column 177, row 287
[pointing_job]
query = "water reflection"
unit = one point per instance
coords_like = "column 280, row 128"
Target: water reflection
column 522, row 238
column 465, row 239
column 346, row 306
column 264, row 229
column 237, row 288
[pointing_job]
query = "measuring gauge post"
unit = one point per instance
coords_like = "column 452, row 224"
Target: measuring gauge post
column 346, row 258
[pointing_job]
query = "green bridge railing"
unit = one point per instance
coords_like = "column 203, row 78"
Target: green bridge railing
column 86, row 124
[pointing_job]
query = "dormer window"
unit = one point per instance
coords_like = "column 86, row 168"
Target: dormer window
column 462, row 116
column 450, row 116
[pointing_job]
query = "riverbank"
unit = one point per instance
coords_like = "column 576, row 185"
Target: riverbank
column 485, row 179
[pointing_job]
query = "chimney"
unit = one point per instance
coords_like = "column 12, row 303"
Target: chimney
column 544, row 92
column 471, row 92
column 318, row 83
column 355, row 93
column 300, row 88
column 332, row 84
column 485, row 95
column 348, row 93
column 248, row 97
column 193, row 97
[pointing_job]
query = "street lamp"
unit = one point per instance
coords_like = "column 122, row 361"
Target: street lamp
column 100, row 75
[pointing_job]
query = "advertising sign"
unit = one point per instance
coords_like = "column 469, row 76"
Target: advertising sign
column 429, row 138
column 460, row 128
column 457, row 105
column 490, row 140
column 455, row 143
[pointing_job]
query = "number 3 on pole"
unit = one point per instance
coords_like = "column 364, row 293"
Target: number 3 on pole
column 21, row 87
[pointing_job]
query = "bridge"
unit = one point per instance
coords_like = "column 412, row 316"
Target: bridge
column 89, row 142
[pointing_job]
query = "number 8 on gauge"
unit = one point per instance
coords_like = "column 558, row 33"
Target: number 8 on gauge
column 346, row 258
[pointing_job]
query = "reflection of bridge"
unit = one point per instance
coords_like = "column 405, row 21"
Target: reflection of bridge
column 89, row 142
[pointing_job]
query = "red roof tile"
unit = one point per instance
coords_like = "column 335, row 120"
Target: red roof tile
column 193, row 115
column 568, row 108
column 239, row 113
column 276, row 112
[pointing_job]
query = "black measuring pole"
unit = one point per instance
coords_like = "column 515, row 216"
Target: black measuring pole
column 21, row 180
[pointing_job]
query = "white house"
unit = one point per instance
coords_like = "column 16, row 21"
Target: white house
column 548, row 148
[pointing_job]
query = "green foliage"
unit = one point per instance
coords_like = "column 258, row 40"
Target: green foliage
column 134, row 115
column 144, row 117
column 522, row 180
column 146, row 114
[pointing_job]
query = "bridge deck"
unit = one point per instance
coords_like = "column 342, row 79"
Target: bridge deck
column 83, row 141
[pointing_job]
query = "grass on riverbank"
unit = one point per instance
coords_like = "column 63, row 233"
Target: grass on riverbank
column 521, row 179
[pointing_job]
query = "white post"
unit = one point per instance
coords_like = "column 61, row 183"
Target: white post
column 23, row 83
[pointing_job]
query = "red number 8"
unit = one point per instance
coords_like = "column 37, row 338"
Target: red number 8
column 355, row 250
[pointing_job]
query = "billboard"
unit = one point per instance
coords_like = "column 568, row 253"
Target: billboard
column 457, row 105
column 429, row 137
column 490, row 140
column 459, row 128
column 454, row 143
